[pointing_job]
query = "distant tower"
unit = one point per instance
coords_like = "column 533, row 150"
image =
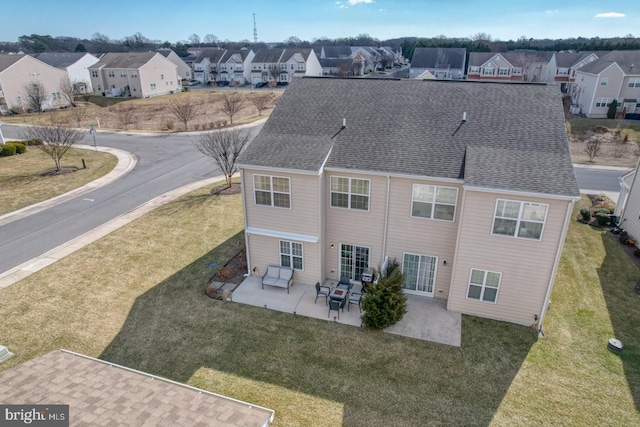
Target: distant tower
column 255, row 30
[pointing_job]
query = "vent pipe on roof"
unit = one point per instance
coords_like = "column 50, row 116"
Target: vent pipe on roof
column 464, row 117
column 344, row 123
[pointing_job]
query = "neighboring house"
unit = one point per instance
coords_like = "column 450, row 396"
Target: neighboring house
column 566, row 65
column 235, row 66
column 526, row 65
column 615, row 75
column 184, row 71
column 18, row 71
column 469, row 186
column 443, row 63
column 282, row 65
column 135, row 74
column 342, row 67
column 76, row 64
column 205, row 66
column 333, row 52
column 372, row 58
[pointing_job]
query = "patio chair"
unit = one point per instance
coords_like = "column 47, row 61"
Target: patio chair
column 355, row 298
column 345, row 283
column 335, row 304
column 322, row 291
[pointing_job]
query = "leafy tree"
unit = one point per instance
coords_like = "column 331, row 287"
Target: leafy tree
column 224, row 146
column 384, row 303
column 56, row 140
column 611, row 112
column 80, row 48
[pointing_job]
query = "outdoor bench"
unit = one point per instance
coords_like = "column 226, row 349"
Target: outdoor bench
column 281, row 277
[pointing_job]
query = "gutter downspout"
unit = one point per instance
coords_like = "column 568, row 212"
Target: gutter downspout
column 246, row 223
column 386, row 219
column 565, row 228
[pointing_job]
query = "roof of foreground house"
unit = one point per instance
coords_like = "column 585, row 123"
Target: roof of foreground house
column 514, row 136
column 103, row 393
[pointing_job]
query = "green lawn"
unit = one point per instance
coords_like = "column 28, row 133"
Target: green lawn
column 136, row 298
column 21, row 184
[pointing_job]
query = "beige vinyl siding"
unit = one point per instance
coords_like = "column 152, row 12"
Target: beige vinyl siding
column 611, row 90
column 630, row 220
column 301, row 218
column 526, row 265
column 28, row 70
column 151, row 73
column 421, row 235
column 265, row 251
column 355, row 227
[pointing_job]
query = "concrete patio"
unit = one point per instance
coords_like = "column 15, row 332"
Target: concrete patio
column 426, row 319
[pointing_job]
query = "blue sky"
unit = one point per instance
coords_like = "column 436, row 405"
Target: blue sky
column 175, row 20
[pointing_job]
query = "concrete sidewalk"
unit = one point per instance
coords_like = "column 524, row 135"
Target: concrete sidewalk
column 126, row 162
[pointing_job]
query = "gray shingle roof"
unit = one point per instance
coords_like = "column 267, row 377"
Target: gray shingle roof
column 8, row 60
column 515, row 58
column 130, row 60
column 413, row 127
column 439, row 57
column 335, row 62
column 213, row 54
column 628, row 60
column 268, row 55
column 101, row 393
column 569, row 59
column 337, row 51
column 60, row 60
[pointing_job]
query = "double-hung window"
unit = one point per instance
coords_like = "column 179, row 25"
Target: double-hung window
column 519, row 219
column 603, row 102
column 634, row 83
column 488, row 71
column 350, row 193
column 291, row 255
column 503, row 71
column 272, row 191
column 484, row 285
column 430, row 201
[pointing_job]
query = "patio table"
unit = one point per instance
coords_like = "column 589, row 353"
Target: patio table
column 339, row 294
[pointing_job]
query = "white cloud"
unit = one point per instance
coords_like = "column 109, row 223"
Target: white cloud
column 346, row 4
column 610, row 15
column 354, row 2
column 552, row 11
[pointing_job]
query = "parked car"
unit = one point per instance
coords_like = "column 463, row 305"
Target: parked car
column 260, row 84
column 283, row 83
column 194, row 82
column 223, row 83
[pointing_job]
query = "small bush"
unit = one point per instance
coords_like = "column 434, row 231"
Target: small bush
column 20, row 147
column 169, row 125
column 585, row 213
column 8, row 150
column 384, row 303
column 603, row 216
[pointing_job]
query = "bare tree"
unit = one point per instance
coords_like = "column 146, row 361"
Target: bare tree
column 231, row 104
column 68, row 90
column 78, row 114
column 185, row 110
column 36, row 96
column 211, row 39
column 194, row 39
column 56, row 140
column 593, row 147
column 224, row 146
column 261, row 102
column 126, row 115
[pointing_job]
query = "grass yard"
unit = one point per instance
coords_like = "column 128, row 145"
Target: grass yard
column 136, row 298
column 21, row 184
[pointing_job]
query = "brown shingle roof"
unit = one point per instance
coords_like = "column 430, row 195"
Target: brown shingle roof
column 101, row 393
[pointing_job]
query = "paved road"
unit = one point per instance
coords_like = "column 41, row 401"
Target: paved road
column 594, row 178
column 164, row 162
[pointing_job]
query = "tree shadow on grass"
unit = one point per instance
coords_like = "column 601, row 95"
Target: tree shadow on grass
column 618, row 275
column 173, row 330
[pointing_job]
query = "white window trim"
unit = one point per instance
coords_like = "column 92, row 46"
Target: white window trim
column 519, row 220
column 435, row 274
column 604, row 81
column 290, row 255
column 271, row 191
column 633, row 83
column 433, row 203
column 484, row 285
column 349, row 194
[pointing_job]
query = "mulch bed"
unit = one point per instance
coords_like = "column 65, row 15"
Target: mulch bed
column 62, row 171
column 223, row 190
column 231, row 273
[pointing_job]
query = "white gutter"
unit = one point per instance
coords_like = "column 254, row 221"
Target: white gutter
column 386, row 219
column 244, row 212
column 563, row 236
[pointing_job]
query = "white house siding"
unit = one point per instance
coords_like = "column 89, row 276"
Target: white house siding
column 422, row 236
column 79, row 71
column 355, row 227
column 526, row 265
column 591, row 90
column 313, row 67
column 26, row 71
column 630, row 220
column 152, row 71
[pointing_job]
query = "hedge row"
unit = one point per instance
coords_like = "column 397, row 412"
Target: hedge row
column 35, row 141
column 11, row 148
